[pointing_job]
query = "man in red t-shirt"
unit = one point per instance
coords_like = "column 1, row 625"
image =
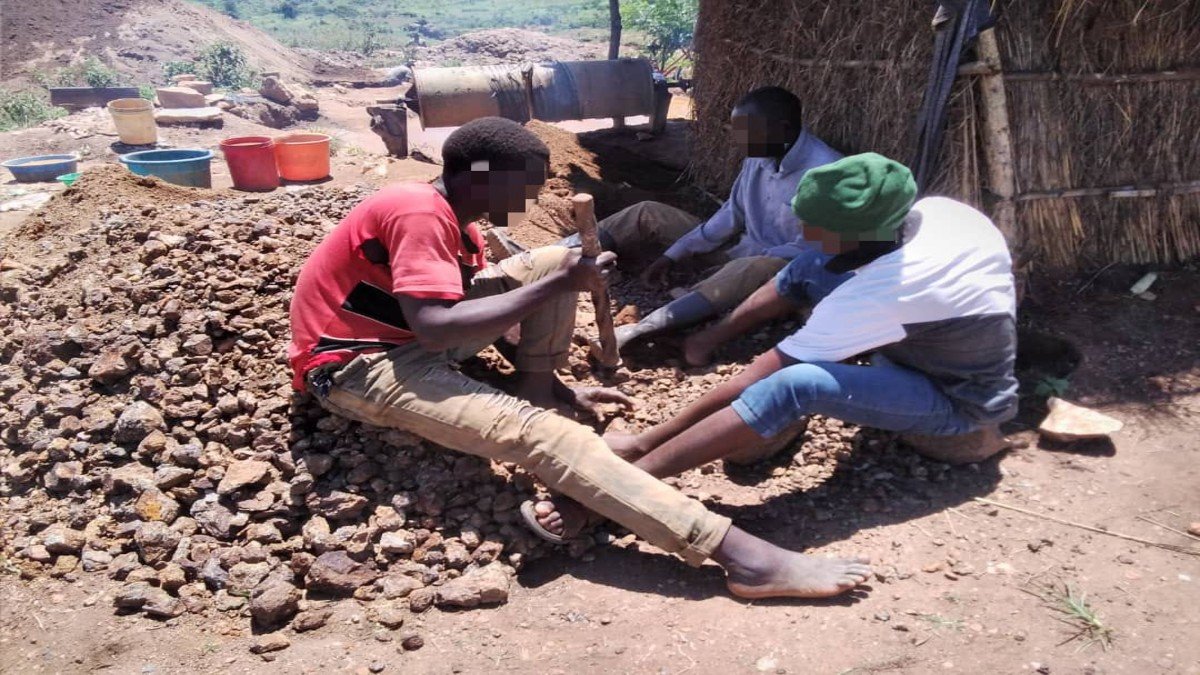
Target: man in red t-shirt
column 399, row 291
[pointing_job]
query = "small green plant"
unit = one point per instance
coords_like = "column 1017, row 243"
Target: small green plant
column 91, row 72
column 288, row 9
column 147, row 92
column 939, row 621
column 1051, row 386
column 1073, row 609
column 26, row 108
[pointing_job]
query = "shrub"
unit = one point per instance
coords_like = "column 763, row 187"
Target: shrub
column 669, row 24
column 91, row 72
column 20, row 109
column 222, row 63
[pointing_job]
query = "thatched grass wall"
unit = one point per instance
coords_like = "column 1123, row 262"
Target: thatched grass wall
column 1107, row 167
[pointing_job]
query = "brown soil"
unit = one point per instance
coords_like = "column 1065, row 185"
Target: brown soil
column 134, row 36
column 507, row 45
column 957, row 579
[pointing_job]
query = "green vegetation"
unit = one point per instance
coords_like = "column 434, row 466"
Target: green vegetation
column 367, row 26
column 25, row 108
column 91, row 72
column 669, row 25
column 222, row 63
column 1071, row 607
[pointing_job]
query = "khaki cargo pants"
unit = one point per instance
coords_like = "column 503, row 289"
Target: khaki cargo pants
column 425, row 394
column 655, row 226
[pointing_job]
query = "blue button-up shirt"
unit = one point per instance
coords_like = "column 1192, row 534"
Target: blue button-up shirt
column 759, row 207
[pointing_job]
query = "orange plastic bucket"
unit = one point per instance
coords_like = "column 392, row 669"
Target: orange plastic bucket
column 251, row 161
column 302, row 156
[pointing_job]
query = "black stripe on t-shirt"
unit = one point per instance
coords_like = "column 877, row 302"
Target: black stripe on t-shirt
column 375, row 304
column 328, row 344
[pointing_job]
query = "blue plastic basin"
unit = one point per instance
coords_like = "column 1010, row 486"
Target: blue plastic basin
column 181, row 167
column 41, row 169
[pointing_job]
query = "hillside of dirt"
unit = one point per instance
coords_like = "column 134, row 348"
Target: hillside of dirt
column 507, row 45
column 136, row 37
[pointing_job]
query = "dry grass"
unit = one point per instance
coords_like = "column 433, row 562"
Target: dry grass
column 860, row 70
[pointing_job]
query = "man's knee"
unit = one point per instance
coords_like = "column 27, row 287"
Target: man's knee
column 804, row 384
column 758, row 267
column 535, row 263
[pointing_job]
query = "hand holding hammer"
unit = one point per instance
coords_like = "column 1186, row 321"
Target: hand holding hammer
column 604, row 349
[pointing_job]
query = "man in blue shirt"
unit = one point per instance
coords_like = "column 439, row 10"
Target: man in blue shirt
column 767, row 126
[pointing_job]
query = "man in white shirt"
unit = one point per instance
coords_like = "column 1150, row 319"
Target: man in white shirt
column 768, row 127
column 932, row 298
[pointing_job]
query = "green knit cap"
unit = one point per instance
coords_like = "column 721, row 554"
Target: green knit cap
column 856, row 195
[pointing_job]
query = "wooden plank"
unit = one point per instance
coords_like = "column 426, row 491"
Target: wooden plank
column 86, row 97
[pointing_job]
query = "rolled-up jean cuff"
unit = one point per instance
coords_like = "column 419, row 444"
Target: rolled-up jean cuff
column 539, row 363
column 715, row 529
column 761, row 424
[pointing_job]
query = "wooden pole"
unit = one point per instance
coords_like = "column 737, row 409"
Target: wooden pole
column 999, row 152
column 604, row 350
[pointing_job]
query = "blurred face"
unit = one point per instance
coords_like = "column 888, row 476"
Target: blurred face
column 505, row 195
column 758, row 135
column 833, row 243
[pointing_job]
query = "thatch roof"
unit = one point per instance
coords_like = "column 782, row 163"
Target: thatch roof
column 1101, row 102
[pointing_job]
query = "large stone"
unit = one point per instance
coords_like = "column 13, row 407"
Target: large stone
column 274, row 89
column 109, row 367
column 136, row 422
column 59, row 539
column 156, row 542
column 179, row 97
column 152, row 504
column 201, row 114
column 244, row 576
column 62, row 476
column 271, row 642
column 486, row 586
column 202, row 86
column 1069, row 422
column 128, row 478
column 215, row 519
column 241, row 474
column 336, row 505
column 336, row 573
column 396, row 586
column 396, row 543
column 153, row 602
column 274, row 603
column 311, row 619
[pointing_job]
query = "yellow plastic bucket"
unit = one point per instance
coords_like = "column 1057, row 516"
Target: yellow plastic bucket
column 134, row 119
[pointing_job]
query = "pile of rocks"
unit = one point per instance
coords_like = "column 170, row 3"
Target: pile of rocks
column 148, row 430
column 276, row 103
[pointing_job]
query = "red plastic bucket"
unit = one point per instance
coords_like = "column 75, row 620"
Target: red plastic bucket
column 251, row 161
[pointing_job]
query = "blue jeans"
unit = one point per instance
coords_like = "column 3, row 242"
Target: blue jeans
column 882, row 395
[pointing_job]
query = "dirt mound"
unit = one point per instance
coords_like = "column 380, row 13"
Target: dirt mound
column 134, row 36
column 508, row 45
column 106, row 190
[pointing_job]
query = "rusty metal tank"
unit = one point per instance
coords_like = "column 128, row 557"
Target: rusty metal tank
column 552, row 92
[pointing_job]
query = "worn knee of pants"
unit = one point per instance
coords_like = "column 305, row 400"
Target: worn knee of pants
column 545, row 334
column 647, row 226
column 738, row 279
column 420, row 392
column 886, row 396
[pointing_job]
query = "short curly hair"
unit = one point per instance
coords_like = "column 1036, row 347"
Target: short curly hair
column 503, row 143
column 774, row 102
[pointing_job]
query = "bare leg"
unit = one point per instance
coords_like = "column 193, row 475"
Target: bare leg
column 754, row 568
column 716, row 436
column 631, row 446
column 764, row 305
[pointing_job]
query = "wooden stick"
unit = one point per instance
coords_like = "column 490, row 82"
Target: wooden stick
column 997, row 143
column 1089, row 528
column 603, row 351
column 1189, row 535
column 1117, row 191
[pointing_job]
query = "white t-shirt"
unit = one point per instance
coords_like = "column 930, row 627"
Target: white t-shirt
column 942, row 303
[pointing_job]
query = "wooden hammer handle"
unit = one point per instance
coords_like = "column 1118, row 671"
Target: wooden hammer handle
column 585, row 221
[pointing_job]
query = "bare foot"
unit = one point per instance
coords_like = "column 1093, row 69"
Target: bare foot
column 563, row 517
column 626, row 446
column 697, row 351
column 795, row 575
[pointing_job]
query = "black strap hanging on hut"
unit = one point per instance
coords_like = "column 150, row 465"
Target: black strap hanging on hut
column 956, row 25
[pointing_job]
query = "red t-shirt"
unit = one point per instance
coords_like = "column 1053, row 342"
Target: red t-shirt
column 403, row 240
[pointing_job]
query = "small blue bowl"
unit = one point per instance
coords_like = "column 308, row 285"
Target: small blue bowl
column 41, row 169
column 188, row 167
